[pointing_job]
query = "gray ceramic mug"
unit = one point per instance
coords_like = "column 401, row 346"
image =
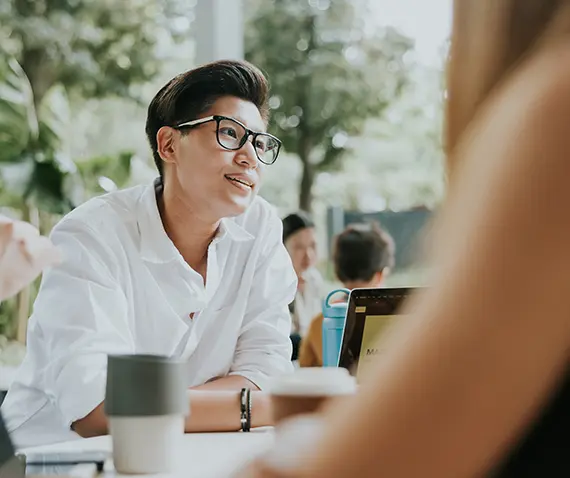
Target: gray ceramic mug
column 146, row 404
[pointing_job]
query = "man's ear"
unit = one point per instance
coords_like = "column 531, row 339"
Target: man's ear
column 166, row 144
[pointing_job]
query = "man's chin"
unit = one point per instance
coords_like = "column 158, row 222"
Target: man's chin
column 238, row 206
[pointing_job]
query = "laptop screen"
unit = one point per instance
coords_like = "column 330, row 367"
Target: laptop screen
column 370, row 312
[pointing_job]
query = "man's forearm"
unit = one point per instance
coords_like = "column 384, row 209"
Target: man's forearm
column 214, row 407
column 92, row 425
column 219, row 410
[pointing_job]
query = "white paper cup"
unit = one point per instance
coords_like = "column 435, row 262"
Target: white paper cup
column 307, row 390
column 146, row 403
column 147, row 445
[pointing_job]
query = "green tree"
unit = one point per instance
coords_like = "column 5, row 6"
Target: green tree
column 51, row 49
column 328, row 74
column 400, row 157
column 96, row 48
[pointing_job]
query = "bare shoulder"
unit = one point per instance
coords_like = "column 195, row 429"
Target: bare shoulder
column 538, row 97
column 552, row 66
column 514, row 158
column 523, row 126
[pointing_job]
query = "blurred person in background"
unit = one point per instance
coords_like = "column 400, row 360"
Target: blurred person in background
column 191, row 266
column 477, row 382
column 300, row 239
column 363, row 256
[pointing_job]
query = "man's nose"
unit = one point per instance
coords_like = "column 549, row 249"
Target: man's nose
column 246, row 155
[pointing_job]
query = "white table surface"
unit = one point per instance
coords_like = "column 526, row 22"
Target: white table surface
column 204, row 455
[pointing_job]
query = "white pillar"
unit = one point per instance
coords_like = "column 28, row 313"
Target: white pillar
column 218, row 30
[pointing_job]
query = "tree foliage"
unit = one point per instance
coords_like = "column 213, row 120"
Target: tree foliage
column 35, row 168
column 328, row 74
column 51, row 49
column 94, row 47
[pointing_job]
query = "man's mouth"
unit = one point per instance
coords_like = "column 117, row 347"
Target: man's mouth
column 240, row 181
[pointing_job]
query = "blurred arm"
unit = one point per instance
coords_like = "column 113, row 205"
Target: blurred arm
column 485, row 346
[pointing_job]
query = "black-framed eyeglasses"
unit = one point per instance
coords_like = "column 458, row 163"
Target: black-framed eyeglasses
column 232, row 135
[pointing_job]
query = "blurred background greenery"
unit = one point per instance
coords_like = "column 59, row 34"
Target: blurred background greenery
column 359, row 113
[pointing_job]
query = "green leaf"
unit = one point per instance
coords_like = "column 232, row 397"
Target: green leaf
column 18, row 119
column 55, row 117
column 33, row 164
column 16, row 176
column 104, row 170
column 46, row 186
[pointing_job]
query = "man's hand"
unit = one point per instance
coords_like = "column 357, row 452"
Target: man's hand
column 24, row 254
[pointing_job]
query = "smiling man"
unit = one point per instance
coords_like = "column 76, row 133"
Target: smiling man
column 191, row 266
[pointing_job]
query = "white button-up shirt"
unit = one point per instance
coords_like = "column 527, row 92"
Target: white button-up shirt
column 124, row 288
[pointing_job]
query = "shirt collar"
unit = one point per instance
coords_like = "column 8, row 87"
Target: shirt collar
column 233, row 231
column 155, row 245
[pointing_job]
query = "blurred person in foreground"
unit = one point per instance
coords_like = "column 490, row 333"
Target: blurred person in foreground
column 363, row 257
column 24, row 253
column 300, row 239
column 191, row 266
column 477, row 382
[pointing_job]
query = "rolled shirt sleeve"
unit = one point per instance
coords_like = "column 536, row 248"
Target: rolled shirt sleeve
column 80, row 316
column 264, row 348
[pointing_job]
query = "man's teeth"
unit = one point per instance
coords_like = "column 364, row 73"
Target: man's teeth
column 241, row 181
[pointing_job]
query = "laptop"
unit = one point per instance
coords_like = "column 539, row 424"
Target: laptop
column 370, row 312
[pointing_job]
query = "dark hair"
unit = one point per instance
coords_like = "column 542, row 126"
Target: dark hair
column 190, row 94
column 295, row 222
column 361, row 251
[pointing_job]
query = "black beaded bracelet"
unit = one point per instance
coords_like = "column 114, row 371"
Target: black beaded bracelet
column 249, row 403
column 245, row 409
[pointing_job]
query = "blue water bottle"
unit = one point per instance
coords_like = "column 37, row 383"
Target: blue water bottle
column 334, row 316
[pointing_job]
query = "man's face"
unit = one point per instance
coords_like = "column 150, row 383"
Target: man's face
column 208, row 178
